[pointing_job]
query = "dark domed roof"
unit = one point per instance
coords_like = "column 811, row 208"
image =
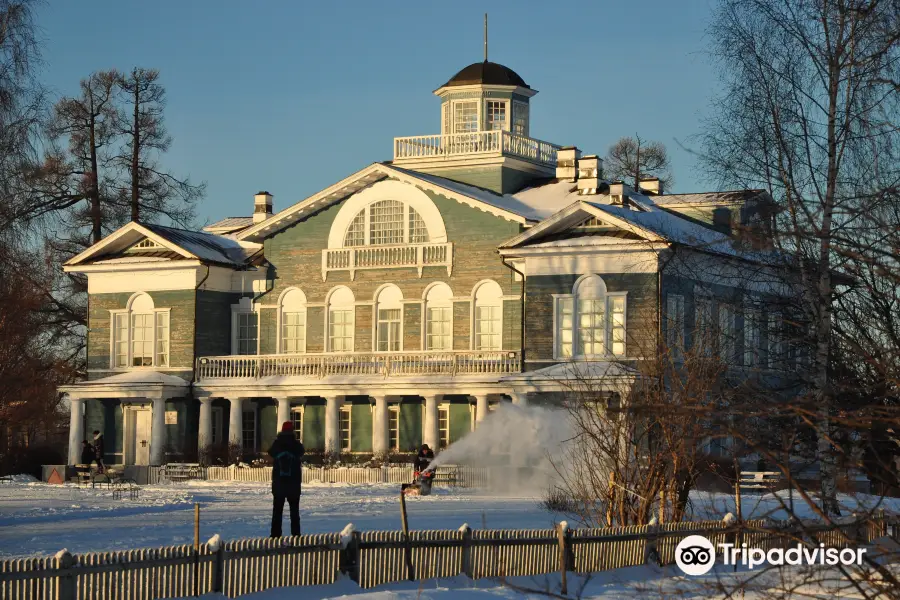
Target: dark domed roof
column 488, row 73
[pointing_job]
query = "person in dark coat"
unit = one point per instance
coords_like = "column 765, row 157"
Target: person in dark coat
column 423, row 458
column 87, row 453
column 99, row 450
column 287, row 478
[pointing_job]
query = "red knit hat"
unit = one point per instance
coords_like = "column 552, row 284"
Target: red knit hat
column 287, row 427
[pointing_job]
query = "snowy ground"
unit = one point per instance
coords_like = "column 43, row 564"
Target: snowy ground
column 40, row 519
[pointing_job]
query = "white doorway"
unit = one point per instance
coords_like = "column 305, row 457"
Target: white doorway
column 137, row 435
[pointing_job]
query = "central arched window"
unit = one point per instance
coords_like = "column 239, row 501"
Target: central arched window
column 439, row 317
column 386, row 222
column 488, row 316
column 389, row 310
column 590, row 321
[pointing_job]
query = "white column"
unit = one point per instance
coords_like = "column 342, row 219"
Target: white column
column 381, row 434
column 158, row 432
column 431, row 431
column 332, row 425
column 76, row 429
column 284, row 412
column 519, row 398
column 204, row 434
column 481, row 408
column 236, row 423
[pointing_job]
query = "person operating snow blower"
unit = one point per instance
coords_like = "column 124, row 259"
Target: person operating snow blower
column 423, row 478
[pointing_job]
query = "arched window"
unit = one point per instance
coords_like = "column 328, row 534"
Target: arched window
column 341, row 310
column 386, row 222
column 293, row 322
column 488, row 316
column 140, row 334
column 439, row 317
column 591, row 321
column 389, row 311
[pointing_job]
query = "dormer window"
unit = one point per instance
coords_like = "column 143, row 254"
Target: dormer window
column 386, row 222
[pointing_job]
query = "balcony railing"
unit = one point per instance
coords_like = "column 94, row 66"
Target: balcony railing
column 460, row 145
column 387, row 257
column 394, row 364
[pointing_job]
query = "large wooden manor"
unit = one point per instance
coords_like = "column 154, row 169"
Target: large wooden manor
column 401, row 304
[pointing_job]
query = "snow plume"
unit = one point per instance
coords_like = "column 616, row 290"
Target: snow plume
column 519, row 443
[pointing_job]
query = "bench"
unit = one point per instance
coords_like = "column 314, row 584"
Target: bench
column 760, row 480
column 109, row 476
column 182, row 471
column 83, row 474
column 123, row 486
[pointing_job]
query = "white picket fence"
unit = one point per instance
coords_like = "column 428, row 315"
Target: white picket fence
column 374, row 558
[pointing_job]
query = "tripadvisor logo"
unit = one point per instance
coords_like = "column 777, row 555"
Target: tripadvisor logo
column 696, row 555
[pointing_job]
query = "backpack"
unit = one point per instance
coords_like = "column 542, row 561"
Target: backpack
column 285, row 464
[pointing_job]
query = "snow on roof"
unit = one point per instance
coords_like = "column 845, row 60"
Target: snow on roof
column 139, row 376
column 229, row 224
column 205, row 246
column 575, row 371
column 549, row 198
column 729, row 197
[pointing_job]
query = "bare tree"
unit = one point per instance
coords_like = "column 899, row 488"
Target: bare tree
column 808, row 111
column 634, row 159
column 152, row 191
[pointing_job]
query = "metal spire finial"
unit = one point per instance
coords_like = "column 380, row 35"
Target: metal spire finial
column 485, row 37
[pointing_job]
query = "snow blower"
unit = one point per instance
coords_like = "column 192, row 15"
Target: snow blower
column 421, row 485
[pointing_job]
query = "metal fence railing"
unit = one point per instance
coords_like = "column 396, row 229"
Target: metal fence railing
column 240, row 567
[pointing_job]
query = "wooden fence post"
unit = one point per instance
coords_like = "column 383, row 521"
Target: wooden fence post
column 466, row 566
column 66, row 582
column 407, row 551
column 561, row 537
column 218, row 575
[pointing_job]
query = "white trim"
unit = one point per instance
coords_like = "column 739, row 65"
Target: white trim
column 347, row 306
column 438, row 303
column 407, row 194
column 607, row 316
column 244, row 306
column 348, row 409
column 128, row 312
column 122, row 233
column 299, row 408
column 377, row 307
column 473, row 308
column 394, row 409
column 441, row 407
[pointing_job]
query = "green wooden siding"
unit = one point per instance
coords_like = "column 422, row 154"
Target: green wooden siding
column 460, row 420
column 410, row 425
column 268, row 426
column 314, row 425
column 361, row 426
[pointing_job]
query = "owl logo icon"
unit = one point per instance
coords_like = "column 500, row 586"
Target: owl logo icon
column 695, row 555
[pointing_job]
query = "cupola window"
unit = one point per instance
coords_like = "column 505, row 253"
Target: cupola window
column 496, row 115
column 465, row 116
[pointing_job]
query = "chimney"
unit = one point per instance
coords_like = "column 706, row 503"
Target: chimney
column 617, row 192
column 589, row 172
column 722, row 219
column 262, row 206
column 567, row 163
column 651, row 186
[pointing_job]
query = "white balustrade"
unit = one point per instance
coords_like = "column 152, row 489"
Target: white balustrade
column 476, row 142
column 416, row 256
column 387, row 364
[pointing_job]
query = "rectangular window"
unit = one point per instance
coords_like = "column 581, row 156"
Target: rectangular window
column 465, row 116
column 703, row 325
column 388, row 330
column 345, row 428
column 591, row 327
column 438, row 328
column 386, row 222
column 520, row 118
column 774, row 341
column 617, row 324
column 726, row 332
column 247, row 327
column 340, row 330
column 675, row 325
column 394, row 426
column 293, row 332
column 565, row 320
column 751, row 337
column 444, row 425
column 120, row 345
column 162, row 339
column 496, row 115
column 248, row 430
column 216, row 425
column 142, row 340
column 297, row 419
column 445, row 118
column 487, row 328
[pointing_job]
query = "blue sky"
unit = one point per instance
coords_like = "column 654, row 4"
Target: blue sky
column 293, row 96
